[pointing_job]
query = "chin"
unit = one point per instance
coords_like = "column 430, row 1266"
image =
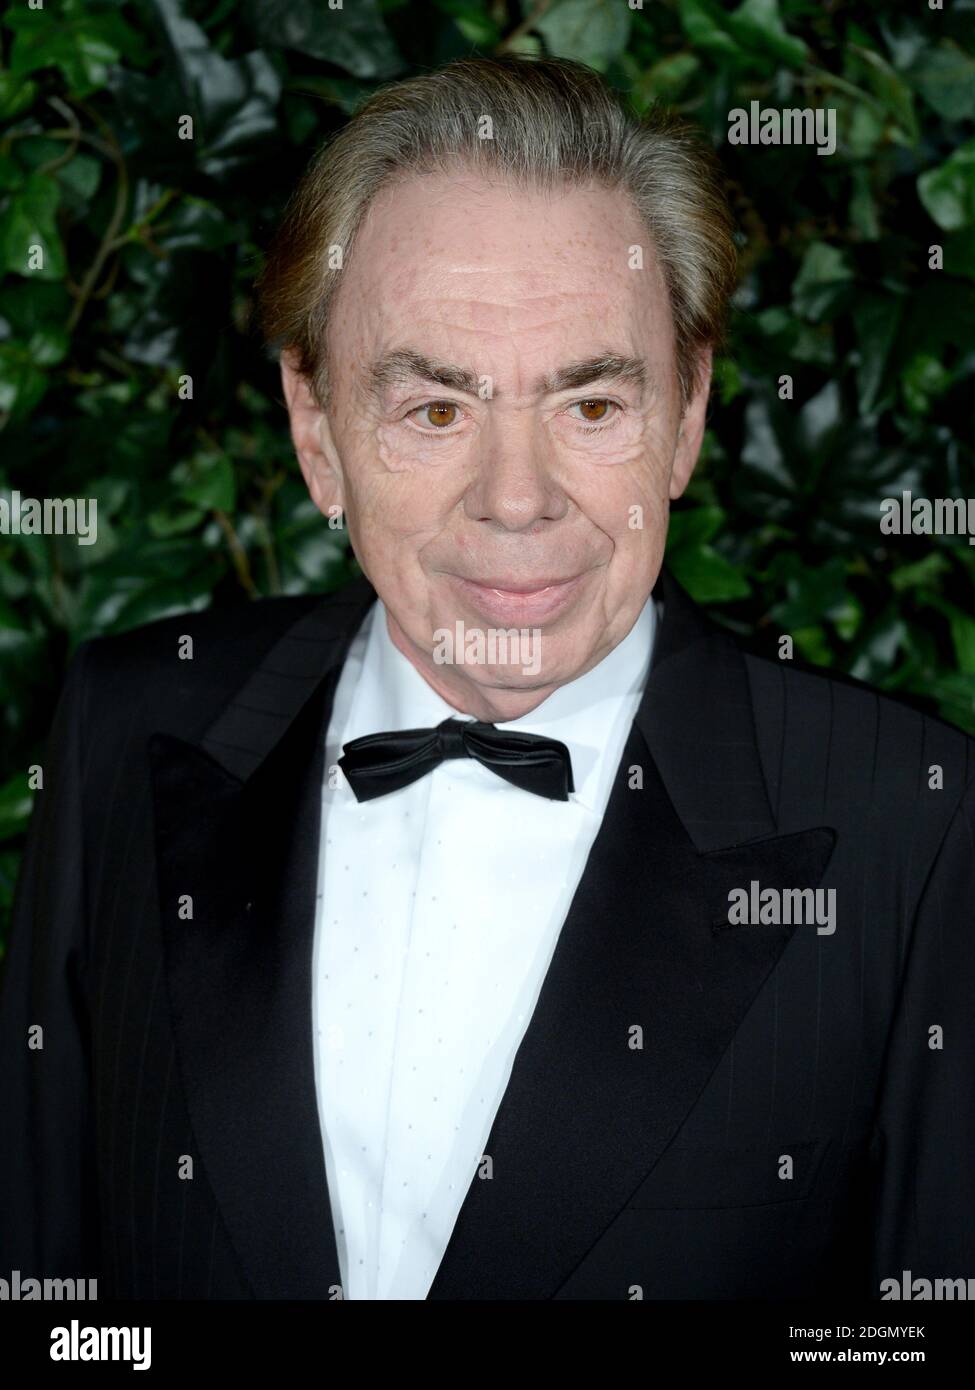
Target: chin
column 504, row 678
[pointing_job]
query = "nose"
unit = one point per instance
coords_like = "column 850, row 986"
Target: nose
column 515, row 486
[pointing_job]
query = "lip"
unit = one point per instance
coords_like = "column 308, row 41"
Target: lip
column 520, row 601
column 529, row 586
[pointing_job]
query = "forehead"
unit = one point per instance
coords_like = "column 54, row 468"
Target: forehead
column 454, row 255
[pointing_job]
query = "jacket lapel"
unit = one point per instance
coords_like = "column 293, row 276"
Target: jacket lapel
column 237, row 822
column 586, row 1115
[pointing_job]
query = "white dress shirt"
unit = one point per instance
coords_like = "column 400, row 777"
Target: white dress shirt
column 439, row 907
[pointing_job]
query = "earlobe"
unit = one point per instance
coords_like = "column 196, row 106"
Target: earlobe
column 679, row 479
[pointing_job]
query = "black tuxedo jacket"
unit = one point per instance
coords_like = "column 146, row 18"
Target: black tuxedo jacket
column 698, row 1109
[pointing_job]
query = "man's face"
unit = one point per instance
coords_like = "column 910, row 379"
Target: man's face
column 505, row 431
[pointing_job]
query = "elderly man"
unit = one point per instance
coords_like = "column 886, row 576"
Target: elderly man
column 496, row 928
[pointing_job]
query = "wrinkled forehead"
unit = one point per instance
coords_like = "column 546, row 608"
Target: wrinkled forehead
column 446, row 257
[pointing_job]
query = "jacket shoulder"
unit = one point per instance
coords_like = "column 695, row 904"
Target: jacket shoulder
column 176, row 673
column 866, row 748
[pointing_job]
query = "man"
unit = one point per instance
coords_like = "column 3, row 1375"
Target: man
column 497, row 928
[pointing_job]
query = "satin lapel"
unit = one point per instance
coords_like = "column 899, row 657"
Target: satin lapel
column 697, row 718
column 586, row 1115
column 237, row 824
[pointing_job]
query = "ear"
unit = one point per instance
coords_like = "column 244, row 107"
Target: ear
column 691, row 431
column 312, row 438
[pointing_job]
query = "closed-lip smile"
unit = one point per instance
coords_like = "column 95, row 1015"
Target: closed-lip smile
column 513, row 586
column 519, row 600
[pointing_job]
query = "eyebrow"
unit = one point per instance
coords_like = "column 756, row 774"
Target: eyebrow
column 404, row 364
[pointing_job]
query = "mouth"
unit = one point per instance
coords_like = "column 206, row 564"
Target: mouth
column 515, row 600
column 530, row 586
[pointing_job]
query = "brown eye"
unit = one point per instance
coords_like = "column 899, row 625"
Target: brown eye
column 440, row 414
column 594, row 410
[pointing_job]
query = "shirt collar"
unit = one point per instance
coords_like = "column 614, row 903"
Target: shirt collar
column 394, row 695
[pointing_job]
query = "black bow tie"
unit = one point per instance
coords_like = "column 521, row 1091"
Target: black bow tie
column 381, row 763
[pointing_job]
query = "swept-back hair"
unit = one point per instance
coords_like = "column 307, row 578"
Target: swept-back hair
column 548, row 122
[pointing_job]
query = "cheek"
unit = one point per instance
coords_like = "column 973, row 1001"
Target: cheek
column 624, row 493
column 392, row 519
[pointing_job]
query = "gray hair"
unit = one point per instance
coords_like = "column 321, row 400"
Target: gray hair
column 552, row 122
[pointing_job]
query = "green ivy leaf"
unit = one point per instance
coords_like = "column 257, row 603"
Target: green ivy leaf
column 814, row 596
column 959, row 249
column 919, row 574
column 945, row 77
column 591, row 31
column 473, row 21
column 923, row 380
column 962, row 627
column 812, row 644
column 48, row 345
column 233, row 103
column 890, row 89
column 16, row 95
column 876, row 318
column 706, row 575
column 705, row 25
column 29, row 220
column 79, row 180
column 22, row 383
column 174, row 521
column 878, row 647
column 668, row 79
column 208, row 481
column 757, row 24
column 82, row 45
column 822, row 284
column 354, row 38
column 863, row 205
column 948, row 192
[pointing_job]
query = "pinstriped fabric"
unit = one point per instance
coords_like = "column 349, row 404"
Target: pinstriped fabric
column 828, row 1062
column 833, row 748
column 161, row 1232
column 149, row 1200
column 100, row 994
column 160, row 1149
